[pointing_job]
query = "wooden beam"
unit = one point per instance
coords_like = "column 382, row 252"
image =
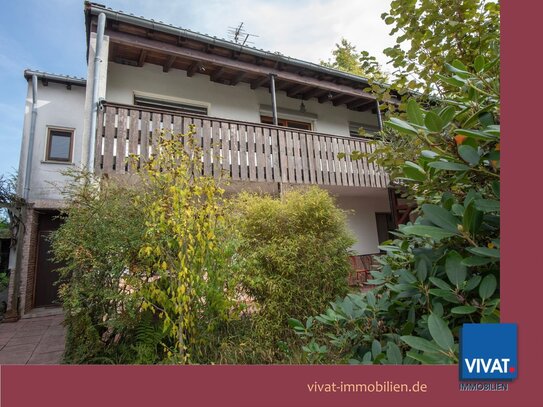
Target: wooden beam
column 199, row 56
column 215, row 76
column 313, row 93
column 361, row 105
column 325, row 98
column 357, row 103
column 239, row 77
column 167, row 66
column 344, row 99
column 141, row 59
column 294, row 90
column 256, row 83
column 191, row 70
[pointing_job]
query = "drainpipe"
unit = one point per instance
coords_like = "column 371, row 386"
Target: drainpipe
column 379, row 119
column 274, row 101
column 33, row 117
column 96, row 87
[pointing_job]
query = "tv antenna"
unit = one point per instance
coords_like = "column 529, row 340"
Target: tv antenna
column 239, row 35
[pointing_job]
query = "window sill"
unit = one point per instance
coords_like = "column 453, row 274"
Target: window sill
column 57, row 162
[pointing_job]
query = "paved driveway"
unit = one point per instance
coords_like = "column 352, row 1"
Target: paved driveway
column 38, row 340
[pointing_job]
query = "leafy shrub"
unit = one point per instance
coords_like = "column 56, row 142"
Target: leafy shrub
column 99, row 244
column 185, row 247
column 295, row 251
column 442, row 270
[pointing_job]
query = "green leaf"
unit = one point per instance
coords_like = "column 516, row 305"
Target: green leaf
column 414, row 171
column 488, row 286
column 401, row 126
column 476, row 134
column 445, row 165
column 414, row 113
column 496, row 188
column 294, row 323
column 462, row 73
column 447, row 114
column 375, row 348
column 440, row 283
column 472, row 283
column 487, row 205
column 441, row 217
column 479, row 63
column 474, row 261
column 485, row 252
column 432, row 232
column 394, row 355
column 429, row 154
column 473, row 219
column 464, row 309
column 419, row 343
column 458, row 209
column 440, row 332
column 469, row 154
column 453, row 80
column 447, row 295
column 425, row 359
column 433, row 122
column 456, row 272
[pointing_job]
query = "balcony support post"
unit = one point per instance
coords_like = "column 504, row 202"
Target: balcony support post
column 273, row 99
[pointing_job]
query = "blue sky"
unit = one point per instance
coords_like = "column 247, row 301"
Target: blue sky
column 50, row 36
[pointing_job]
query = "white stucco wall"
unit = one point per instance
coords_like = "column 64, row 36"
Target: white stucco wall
column 230, row 102
column 57, row 107
column 362, row 221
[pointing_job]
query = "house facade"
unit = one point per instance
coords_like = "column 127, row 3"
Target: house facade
column 268, row 121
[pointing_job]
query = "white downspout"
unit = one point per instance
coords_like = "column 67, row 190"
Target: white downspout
column 95, row 88
column 31, row 136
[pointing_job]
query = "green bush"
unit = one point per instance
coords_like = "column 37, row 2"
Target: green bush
column 443, row 270
column 98, row 244
column 295, row 258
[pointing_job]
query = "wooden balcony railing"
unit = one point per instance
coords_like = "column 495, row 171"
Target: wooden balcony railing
column 245, row 151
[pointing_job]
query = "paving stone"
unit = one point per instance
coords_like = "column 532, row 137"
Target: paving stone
column 25, row 340
column 50, row 358
column 38, row 340
column 49, row 347
column 15, row 347
column 14, row 358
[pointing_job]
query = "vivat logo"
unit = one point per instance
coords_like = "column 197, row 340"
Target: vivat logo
column 488, row 352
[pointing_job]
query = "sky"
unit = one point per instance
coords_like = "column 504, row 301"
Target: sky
column 50, row 36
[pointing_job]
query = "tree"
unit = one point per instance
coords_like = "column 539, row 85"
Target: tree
column 433, row 33
column 346, row 58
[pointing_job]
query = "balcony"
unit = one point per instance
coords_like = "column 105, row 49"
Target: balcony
column 244, row 151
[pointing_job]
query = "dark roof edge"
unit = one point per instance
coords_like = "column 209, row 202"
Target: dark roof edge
column 51, row 77
column 96, row 9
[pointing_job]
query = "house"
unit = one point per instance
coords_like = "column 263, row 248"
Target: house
column 276, row 122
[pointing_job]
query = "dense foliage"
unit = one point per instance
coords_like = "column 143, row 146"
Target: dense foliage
column 170, row 271
column 443, row 269
column 98, row 245
column 295, row 257
column 187, row 275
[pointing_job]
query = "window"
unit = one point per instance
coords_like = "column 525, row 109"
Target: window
column 59, row 145
column 369, row 130
column 293, row 124
column 165, row 104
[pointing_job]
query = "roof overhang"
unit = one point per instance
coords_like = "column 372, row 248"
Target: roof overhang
column 137, row 41
column 46, row 77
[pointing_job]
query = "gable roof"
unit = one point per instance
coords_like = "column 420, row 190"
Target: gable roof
column 138, row 40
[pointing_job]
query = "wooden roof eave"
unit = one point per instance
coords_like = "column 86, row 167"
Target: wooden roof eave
column 254, row 74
